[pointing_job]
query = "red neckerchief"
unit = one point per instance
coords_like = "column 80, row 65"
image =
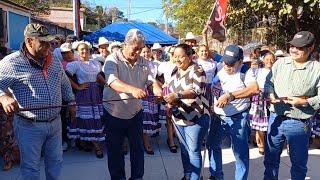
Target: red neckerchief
column 46, row 64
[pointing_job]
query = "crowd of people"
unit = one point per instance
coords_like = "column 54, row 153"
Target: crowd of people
column 61, row 93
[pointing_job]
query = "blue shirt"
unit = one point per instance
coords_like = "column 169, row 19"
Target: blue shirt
column 31, row 88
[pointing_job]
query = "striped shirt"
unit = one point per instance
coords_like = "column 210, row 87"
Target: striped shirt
column 286, row 80
column 32, row 88
column 189, row 110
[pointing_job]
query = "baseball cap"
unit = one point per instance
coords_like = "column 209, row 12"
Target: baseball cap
column 39, row 31
column 71, row 38
column 302, row 39
column 66, row 47
column 232, row 54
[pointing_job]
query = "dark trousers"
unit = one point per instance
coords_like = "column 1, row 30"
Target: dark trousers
column 116, row 130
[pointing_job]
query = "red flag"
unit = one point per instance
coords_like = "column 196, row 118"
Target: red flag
column 218, row 18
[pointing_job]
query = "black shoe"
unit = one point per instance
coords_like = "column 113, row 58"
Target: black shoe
column 173, row 148
column 99, row 154
column 149, row 150
column 211, row 178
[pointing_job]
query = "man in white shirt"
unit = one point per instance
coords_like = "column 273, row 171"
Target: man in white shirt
column 232, row 89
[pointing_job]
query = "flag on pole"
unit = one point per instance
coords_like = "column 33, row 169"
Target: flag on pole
column 218, row 18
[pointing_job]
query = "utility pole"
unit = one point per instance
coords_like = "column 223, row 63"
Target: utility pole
column 129, row 9
column 76, row 18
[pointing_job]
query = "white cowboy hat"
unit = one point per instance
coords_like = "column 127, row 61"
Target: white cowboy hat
column 77, row 43
column 66, row 47
column 114, row 44
column 156, row 46
column 190, row 36
column 280, row 53
column 102, row 41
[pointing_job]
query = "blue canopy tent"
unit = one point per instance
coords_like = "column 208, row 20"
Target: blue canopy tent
column 118, row 30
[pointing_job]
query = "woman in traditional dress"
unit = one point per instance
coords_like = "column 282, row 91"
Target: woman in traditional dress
column 88, row 126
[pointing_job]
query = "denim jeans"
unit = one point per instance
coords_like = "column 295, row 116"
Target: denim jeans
column 34, row 137
column 116, row 130
column 297, row 134
column 191, row 138
column 238, row 128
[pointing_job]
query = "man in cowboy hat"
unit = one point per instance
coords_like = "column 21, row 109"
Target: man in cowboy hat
column 190, row 39
column 103, row 45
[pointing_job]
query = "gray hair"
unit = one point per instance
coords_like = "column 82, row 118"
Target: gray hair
column 134, row 36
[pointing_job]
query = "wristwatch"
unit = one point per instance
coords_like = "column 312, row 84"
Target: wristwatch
column 230, row 96
column 179, row 96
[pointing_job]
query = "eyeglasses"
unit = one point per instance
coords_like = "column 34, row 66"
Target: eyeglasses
column 299, row 48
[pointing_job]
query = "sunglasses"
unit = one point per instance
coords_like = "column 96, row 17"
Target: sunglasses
column 299, row 48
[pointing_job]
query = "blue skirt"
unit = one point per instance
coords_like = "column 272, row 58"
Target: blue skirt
column 88, row 125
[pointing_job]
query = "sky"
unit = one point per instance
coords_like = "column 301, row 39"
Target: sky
column 141, row 10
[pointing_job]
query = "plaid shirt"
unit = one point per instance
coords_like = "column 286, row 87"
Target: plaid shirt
column 31, row 87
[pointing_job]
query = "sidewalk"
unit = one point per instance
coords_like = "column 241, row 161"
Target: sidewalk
column 164, row 165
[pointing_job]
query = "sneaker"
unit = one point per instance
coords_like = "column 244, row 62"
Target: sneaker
column 64, row 146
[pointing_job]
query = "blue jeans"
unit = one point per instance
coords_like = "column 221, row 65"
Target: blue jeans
column 116, row 130
column 297, row 134
column 33, row 137
column 238, row 128
column 191, row 138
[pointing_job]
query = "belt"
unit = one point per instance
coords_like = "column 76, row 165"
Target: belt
column 38, row 121
column 298, row 119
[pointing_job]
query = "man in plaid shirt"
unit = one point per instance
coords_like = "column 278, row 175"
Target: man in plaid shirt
column 35, row 79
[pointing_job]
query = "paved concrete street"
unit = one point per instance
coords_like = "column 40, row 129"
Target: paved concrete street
column 164, row 165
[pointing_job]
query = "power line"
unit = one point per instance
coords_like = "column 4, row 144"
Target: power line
column 142, row 11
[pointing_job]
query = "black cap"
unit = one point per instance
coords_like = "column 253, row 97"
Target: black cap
column 302, row 39
column 232, row 54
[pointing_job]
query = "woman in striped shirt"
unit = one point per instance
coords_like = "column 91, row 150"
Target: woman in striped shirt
column 190, row 112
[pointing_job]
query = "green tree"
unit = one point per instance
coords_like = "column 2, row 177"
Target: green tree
column 290, row 17
column 38, row 6
column 115, row 14
column 189, row 15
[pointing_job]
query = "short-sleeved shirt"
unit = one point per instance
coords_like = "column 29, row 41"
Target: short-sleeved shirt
column 139, row 75
column 286, row 80
column 232, row 83
column 209, row 67
column 189, row 110
column 165, row 69
column 32, row 88
column 261, row 75
column 86, row 71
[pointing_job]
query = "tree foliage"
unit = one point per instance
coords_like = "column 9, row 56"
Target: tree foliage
column 189, row 15
column 99, row 17
column 38, row 6
column 290, row 16
column 281, row 18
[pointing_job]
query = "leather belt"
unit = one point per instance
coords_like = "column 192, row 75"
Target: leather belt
column 38, row 121
column 298, row 119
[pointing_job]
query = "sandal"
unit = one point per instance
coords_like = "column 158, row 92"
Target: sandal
column 149, row 150
column 99, row 153
column 261, row 150
column 172, row 148
column 7, row 166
